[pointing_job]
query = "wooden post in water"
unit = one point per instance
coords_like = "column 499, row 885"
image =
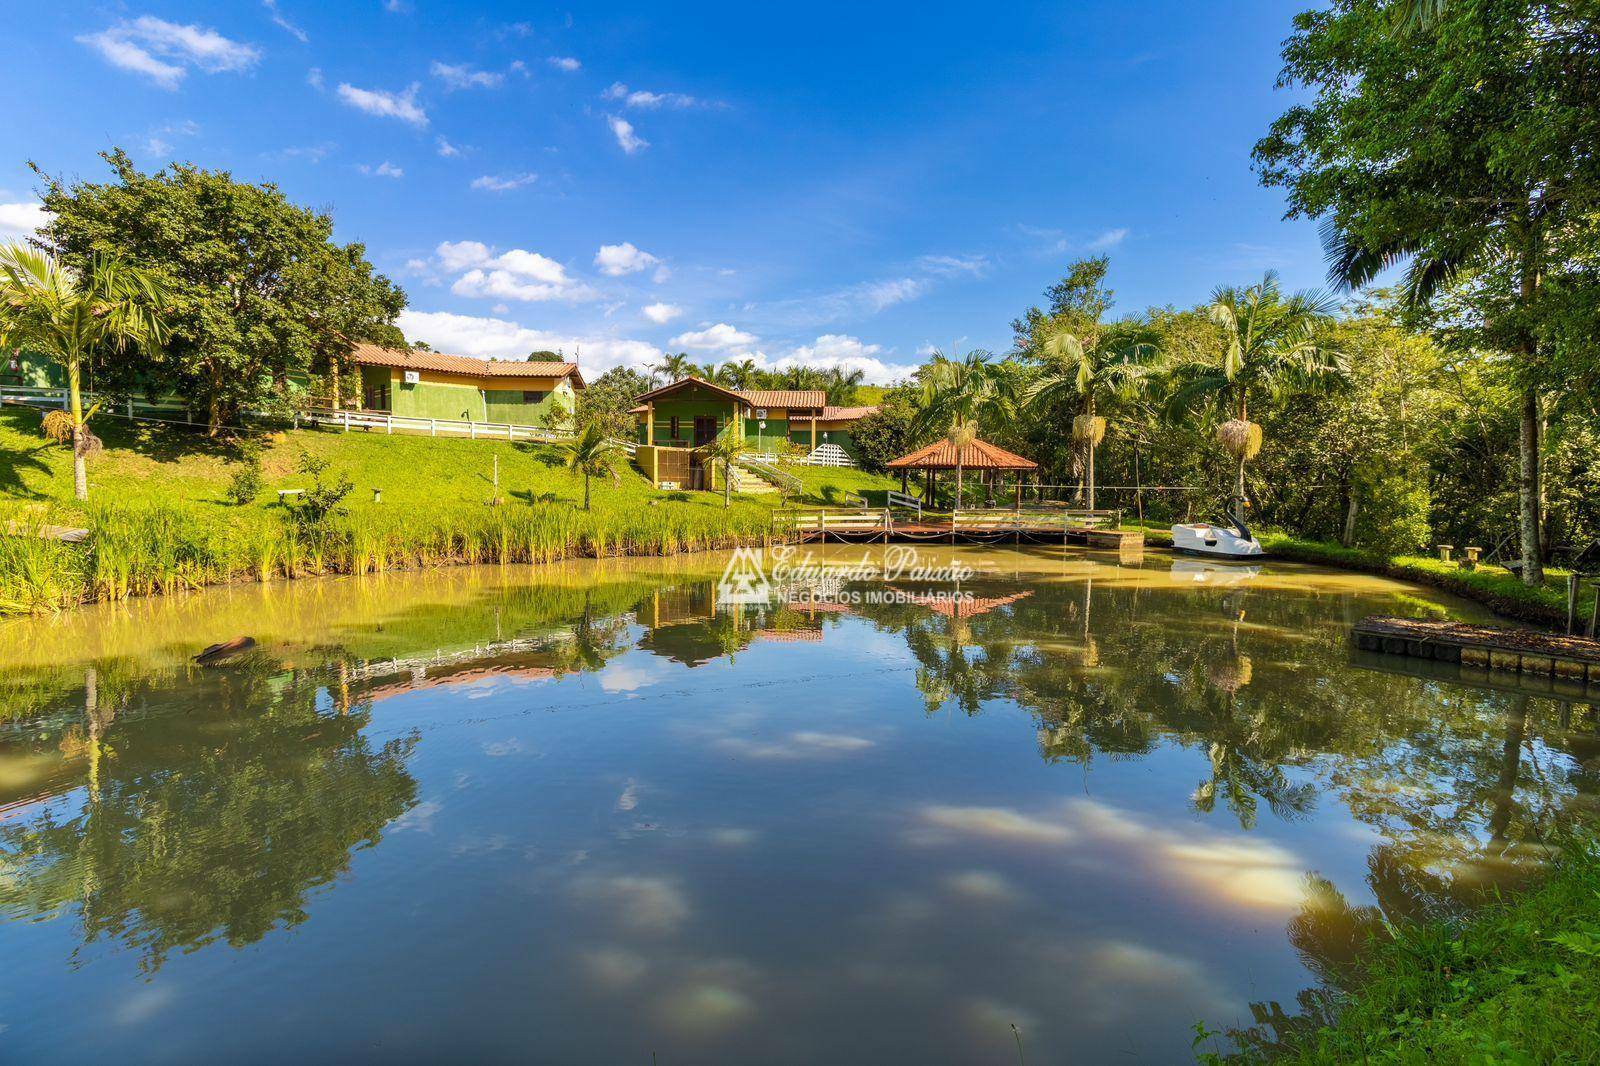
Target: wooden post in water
column 1572, row 603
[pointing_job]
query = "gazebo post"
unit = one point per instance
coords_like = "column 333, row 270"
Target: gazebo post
column 904, row 473
column 1018, row 505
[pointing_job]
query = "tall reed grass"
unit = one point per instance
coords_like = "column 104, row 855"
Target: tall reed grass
column 140, row 550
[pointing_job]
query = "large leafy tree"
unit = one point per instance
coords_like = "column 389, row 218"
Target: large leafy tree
column 259, row 289
column 73, row 315
column 1458, row 139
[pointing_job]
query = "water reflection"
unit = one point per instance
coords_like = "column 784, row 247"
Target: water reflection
column 689, row 808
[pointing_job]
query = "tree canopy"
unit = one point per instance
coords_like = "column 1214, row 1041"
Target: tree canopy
column 262, row 295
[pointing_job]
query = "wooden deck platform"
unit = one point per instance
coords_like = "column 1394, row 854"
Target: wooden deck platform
column 1095, row 529
column 1522, row 651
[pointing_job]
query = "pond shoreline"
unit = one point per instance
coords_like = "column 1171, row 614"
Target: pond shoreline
column 1490, row 586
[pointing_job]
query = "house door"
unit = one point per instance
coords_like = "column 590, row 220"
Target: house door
column 705, row 430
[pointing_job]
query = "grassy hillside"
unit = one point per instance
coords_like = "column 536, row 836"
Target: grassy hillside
column 161, row 516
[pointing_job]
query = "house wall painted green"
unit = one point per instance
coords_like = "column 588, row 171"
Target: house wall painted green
column 675, row 415
column 28, row 370
column 461, row 398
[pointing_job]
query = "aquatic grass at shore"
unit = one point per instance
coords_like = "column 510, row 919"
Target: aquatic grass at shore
column 149, row 549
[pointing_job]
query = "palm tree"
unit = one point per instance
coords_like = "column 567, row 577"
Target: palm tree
column 956, row 396
column 740, row 375
column 841, row 384
column 1268, row 347
column 70, row 314
column 594, row 453
column 673, row 367
column 1086, row 371
column 725, row 449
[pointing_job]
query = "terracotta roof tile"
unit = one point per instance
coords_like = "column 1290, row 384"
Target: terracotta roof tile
column 373, row 355
column 978, row 455
column 847, row 414
column 785, row 397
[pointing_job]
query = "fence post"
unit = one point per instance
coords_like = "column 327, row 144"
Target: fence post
column 347, row 421
column 433, row 427
column 472, row 429
column 130, row 408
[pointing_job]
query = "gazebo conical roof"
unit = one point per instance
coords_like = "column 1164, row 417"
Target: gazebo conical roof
column 976, row 455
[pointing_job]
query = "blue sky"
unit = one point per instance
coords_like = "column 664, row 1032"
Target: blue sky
column 830, row 183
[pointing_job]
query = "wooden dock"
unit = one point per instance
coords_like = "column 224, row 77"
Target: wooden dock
column 1521, row 651
column 1094, row 529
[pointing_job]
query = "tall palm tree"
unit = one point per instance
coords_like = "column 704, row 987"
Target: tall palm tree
column 957, row 395
column 595, row 453
column 1088, row 368
column 1268, row 347
column 70, row 314
column 673, row 367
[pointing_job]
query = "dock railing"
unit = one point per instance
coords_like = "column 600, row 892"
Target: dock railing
column 824, row 520
column 904, row 502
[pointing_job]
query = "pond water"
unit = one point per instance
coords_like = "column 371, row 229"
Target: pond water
column 583, row 814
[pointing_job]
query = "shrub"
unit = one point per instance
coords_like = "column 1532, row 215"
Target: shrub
column 322, row 502
column 1394, row 515
column 246, row 483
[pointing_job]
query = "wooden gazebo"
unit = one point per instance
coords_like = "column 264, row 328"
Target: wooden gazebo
column 977, row 457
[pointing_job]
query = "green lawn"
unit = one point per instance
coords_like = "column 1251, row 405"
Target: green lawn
column 160, row 515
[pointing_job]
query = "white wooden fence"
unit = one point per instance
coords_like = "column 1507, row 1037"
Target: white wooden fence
column 384, row 422
column 368, row 421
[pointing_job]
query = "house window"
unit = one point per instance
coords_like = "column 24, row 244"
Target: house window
column 533, row 396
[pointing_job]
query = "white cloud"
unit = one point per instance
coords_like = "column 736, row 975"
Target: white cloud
column 1109, row 239
column 501, row 338
column 615, row 260
column 955, row 265
column 514, row 275
column 663, row 274
column 158, row 142
column 882, row 294
column 283, row 23
column 311, row 153
column 564, row 63
column 136, row 45
column 448, row 150
column 841, row 351
column 506, row 285
column 661, row 313
column 384, row 104
column 21, row 220
column 498, row 183
column 648, row 100
column 622, row 129
column 314, row 78
column 463, row 76
column 718, row 338
column 385, row 169
column 462, row 255
column 526, row 264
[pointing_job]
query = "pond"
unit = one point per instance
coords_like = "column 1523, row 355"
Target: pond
column 586, row 813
